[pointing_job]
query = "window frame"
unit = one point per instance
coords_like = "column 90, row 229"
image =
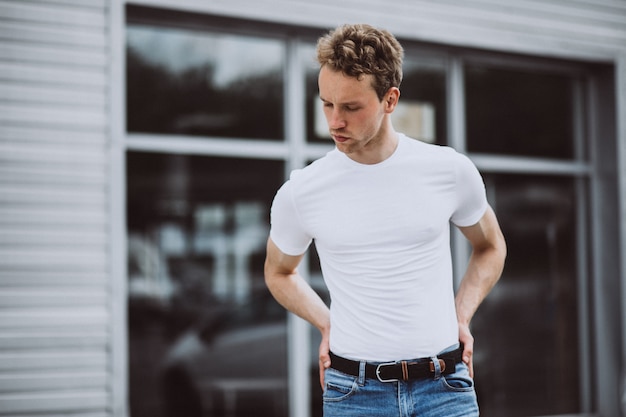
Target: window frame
column 580, row 169
column 296, row 152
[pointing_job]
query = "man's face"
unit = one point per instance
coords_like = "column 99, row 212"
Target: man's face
column 353, row 111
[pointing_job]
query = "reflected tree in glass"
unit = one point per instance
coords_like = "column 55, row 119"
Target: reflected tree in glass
column 196, row 83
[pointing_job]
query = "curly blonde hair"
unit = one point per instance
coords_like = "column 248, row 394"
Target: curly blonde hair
column 360, row 49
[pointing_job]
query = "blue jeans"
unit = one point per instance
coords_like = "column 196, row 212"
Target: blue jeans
column 450, row 395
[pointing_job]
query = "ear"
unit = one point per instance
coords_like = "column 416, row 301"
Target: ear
column 391, row 99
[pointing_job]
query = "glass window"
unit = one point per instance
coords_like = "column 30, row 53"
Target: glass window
column 518, row 112
column 316, row 126
column 182, row 81
column 205, row 335
column 421, row 112
column 526, row 355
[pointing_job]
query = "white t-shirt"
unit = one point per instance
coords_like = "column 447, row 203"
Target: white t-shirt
column 382, row 234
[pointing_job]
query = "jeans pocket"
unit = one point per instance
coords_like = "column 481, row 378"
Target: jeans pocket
column 338, row 386
column 460, row 380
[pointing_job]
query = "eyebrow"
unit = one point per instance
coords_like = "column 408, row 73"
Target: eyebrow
column 347, row 103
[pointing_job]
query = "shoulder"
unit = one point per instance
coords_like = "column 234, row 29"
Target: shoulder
column 441, row 162
column 440, row 153
column 315, row 169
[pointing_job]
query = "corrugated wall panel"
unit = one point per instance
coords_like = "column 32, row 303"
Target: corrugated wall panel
column 54, row 361
column 54, row 95
column 55, row 35
column 18, row 51
column 21, row 382
column 60, row 14
column 81, row 414
column 55, row 318
column 62, row 402
column 530, row 20
column 563, row 28
column 53, row 75
column 24, row 134
column 523, row 25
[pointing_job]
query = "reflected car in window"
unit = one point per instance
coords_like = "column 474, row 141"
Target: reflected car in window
column 234, row 363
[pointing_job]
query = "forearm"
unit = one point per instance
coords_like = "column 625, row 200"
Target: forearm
column 292, row 291
column 483, row 272
column 297, row 296
column 484, row 268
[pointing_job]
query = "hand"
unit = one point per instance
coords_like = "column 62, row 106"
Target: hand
column 324, row 357
column 465, row 337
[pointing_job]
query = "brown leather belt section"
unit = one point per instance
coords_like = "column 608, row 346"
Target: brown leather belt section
column 400, row 370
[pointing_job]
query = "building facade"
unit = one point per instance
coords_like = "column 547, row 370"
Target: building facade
column 141, row 143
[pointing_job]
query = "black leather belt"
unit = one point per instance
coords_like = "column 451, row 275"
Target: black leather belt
column 400, row 370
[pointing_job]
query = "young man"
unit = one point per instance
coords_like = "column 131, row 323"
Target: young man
column 395, row 341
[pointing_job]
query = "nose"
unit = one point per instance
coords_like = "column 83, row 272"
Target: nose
column 336, row 119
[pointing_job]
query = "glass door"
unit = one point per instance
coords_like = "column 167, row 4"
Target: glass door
column 527, row 330
column 525, row 130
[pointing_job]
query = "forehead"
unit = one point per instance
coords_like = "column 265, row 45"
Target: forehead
column 338, row 87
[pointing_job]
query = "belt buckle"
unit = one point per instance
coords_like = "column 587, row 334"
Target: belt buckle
column 378, row 372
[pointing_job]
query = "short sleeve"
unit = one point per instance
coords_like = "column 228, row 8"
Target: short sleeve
column 470, row 191
column 286, row 230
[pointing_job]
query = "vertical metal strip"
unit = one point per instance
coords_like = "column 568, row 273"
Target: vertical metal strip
column 456, row 104
column 584, row 311
column 582, row 239
column 620, row 111
column 605, row 238
column 118, row 368
column 298, row 330
column 455, row 93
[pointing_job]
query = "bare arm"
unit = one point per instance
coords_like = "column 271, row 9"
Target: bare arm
column 483, row 271
column 296, row 295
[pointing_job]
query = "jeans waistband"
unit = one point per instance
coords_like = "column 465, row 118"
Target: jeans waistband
column 405, row 370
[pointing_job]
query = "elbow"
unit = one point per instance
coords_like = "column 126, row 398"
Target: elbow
column 500, row 253
column 268, row 274
column 500, row 248
column 492, row 257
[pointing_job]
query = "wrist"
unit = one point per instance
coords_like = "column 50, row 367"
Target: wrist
column 463, row 320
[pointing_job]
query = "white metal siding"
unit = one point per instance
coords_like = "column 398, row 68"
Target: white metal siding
column 55, row 327
column 586, row 29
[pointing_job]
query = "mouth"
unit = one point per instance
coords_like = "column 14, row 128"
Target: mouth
column 339, row 138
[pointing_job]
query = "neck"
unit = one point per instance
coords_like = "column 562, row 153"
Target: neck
column 379, row 148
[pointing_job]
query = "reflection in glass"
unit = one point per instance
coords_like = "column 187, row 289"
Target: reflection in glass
column 519, row 113
column 421, row 112
column 205, row 336
column 199, row 83
column 526, row 331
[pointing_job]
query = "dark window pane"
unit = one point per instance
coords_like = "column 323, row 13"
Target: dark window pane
column 197, row 228
column 526, row 354
column 421, row 112
column 316, row 127
column 199, row 83
column 518, row 113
